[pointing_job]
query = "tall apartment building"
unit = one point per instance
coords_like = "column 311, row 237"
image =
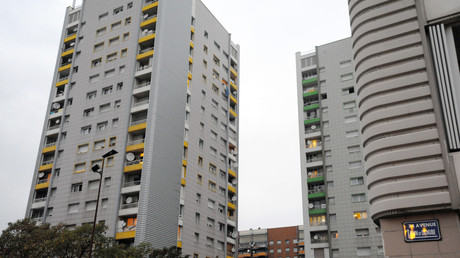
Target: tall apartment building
column 271, row 242
column 157, row 81
column 334, row 195
column 406, row 58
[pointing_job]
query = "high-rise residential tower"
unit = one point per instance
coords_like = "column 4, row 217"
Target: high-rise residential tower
column 406, row 58
column 334, row 194
column 157, row 81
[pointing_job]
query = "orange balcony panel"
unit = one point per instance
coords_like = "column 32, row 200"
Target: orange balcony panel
column 125, row 235
column 190, row 59
column 49, row 149
column 302, row 244
column 46, row 167
column 233, row 113
column 139, row 146
column 244, row 255
column 191, row 44
column 259, row 254
column 137, row 127
column 192, row 29
column 132, row 168
column 302, row 252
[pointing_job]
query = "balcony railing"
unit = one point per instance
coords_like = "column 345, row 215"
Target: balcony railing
column 319, row 206
column 134, row 162
column 144, row 84
column 313, row 144
column 310, row 117
column 149, row 17
column 315, row 175
column 47, row 162
column 310, row 130
column 138, row 122
column 41, row 181
column 63, row 78
column 311, row 103
column 129, row 205
column 145, row 33
column 126, row 228
column 319, row 239
column 40, row 200
column 317, row 224
column 145, row 50
column 144, row 67
column 314, row 159
column 319, row 189
column 140, row 103
column 38, row 219
column 67, row 49
column 50, row 144
column 132, row 183
column 136, row 142
column 147, row 2
column 311, row 89
column 70, row 34
column 53, row 127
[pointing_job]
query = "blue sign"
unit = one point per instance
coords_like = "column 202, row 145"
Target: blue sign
column 423, row 230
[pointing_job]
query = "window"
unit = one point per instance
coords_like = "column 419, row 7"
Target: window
column 286, row 242
column 91, row 95
column 117, row 104
column 82, row 148
column 215, row 89
column 97, row 161
column 360, row 214
column 271, row 243
column 348, row 91
column 335, row 253
column 86, row 130
column 76, row 187
column 199, row 179
column 96, row 62
column 203, row 78
column 205, row 49
column 272, row 251
column 98, row 46
column 358, row 198
column 115, row 122
column 278, row 250
column 126, row 36
column 332, row 218
column 351, row 134
column 128, row 21
column 221, row 191
column 104, row 203
column 94, row 78
column 213, row 135
column 115, row 26
column 209, row 242
column 198, row 198
column 103, row 16
column 90, row 205
column 197, row 237
column 108, row 180
column 118, row 10
column 354, row 164
column 109, row 73
column 214, row 119
column 349, row 105
column 362, row 232
column 73, row 208
column 353, row 149
column 331, row 200
column 104, row 107
column 221, row 208
column 211, row 204
column 107, row 90
column 205, row 64
column 363, row 251
column 334, row 235
column 346, row 77
column 287, row 250
column 120, row 86
column 278, row 242
column 210, row 222
column 215, row 104
column 124, row 53
column 356, row 181
column 205, row 34
column 200, row 144
column 213, row 151
column 101, row 31
column 200, row 161
column 330, row 184
column 102, row 126
column 216, row 45
column 79, row 167
column 99, row 145
column 211, row 186
column 324, row 96
column 111, row 57
column 88, row 112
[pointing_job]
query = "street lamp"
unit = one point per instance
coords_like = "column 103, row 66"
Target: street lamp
column 252, row 244
column 100, row 171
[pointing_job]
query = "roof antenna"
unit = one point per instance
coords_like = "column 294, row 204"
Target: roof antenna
column 73, row 4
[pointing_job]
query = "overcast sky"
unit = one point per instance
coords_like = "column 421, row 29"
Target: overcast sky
column 269, row 33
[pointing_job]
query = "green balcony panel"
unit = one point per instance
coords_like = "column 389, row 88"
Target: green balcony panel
column 309, row 107
column 313, row 120
column 315, row 179
column 317, row 211
column 316, row 195
column 309, row 80
column 311, row 93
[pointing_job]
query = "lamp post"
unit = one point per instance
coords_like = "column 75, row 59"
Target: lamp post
column 100, row 171
column 252, row 244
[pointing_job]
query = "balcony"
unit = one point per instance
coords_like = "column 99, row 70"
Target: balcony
column 142, row 85
column 138, row 125
column 135, row 145
column 46, row 165
column 125, row 235
column 233, row 84
column 317, row 192
column 319, row 238
column 232, row 112
column 232, row 173
column 231, row 205
column 233, row 72
column 147, row 36
column 148, row 20
column 310, row 92
column 70, row 37
column 131, row 186
column 315, row 176
column 317, row 208
column 145, row 53
column 134, row 165
column 129, row 205
column 311, row 119
column 311, row 105
column 67, row 51
column 309, row 80
column 149, row 3
column 42, row 184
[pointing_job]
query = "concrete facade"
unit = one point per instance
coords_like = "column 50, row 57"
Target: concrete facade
column 158, row 82
column 406, row 64
column 335, row 196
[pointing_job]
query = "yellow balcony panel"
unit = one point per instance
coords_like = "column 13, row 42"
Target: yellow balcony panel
column 42, row 185
column 137, row 127
column 74, row 36
column 233, row 72
column 179, row 244
column 149, row 21
column 134, row 147
column 231, row 206
column 186, row 144
column 125, row 235
column 183, row 182
column 232, row 189
column 62, row 82
column 68, row 52
column 192, row 29
column 190, row 59
column 191, row 44
column 49, row 149
column 144, row 55
column 150, row 6
column 65, row 67
column 233, row 85
column 231, row 172
column 147, row 38
column 132, row 168
column 189, row 75
column 45, row 167
column 233, row 113
column 229, row 256
column 184, row 162
column 233, row 99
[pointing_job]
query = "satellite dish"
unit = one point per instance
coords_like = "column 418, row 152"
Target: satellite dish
column 310, row 206
column 234, row 198
column 233, row 249
column 145, row 31
column 234, row 234
column 235, row 165
column 130, row 156
column 313, row 127
column 129, row 200
column 75, row 29
column 123, row 223
column 234, row 181
column 315, row 237
column 57, row 121
column 235, row 152
column 308, row 142
column 72, row 44
column 56, row 105
column 146, row 15
column 41, row 175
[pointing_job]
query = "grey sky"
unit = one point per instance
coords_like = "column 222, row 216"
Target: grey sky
column 269, row 33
